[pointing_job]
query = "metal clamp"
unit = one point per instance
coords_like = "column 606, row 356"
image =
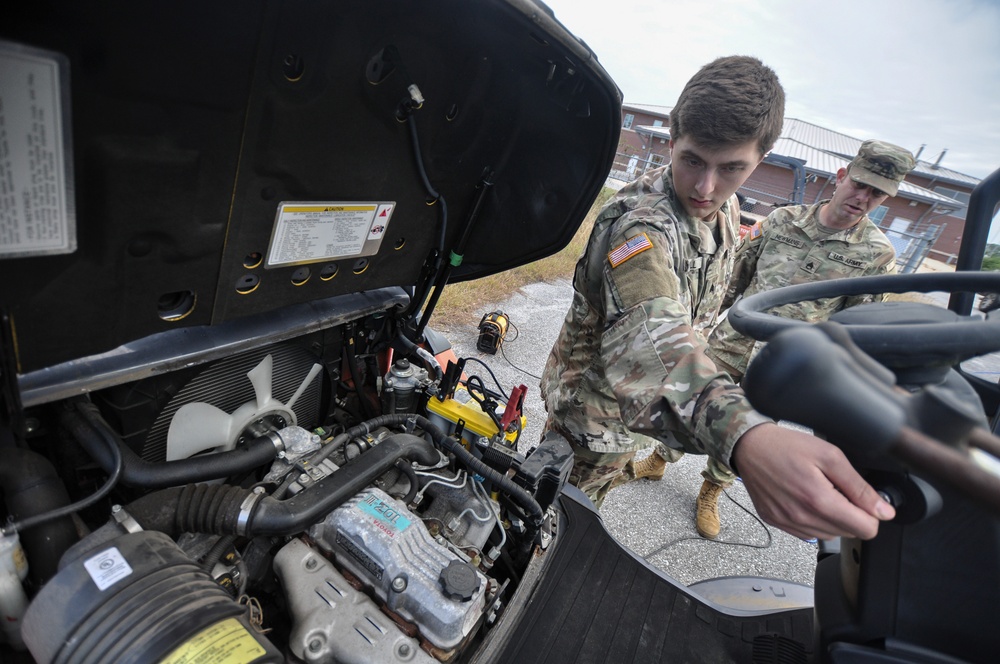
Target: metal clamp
column 246, row 509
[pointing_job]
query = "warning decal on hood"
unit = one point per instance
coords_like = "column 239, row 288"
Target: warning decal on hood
column 309, row 232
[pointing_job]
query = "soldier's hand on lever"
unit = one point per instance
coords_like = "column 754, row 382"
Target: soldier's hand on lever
column 806, row 486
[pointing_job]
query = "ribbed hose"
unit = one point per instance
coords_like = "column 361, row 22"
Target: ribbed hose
column 219, row 509
column 95, row 435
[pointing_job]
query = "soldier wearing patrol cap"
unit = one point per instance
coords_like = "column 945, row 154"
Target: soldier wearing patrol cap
column 632, row 357
column 832, row 239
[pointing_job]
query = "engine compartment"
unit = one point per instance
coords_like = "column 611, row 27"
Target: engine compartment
column 368, row 506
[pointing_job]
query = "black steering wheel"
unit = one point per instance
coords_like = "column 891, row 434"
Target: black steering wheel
column 893, row 332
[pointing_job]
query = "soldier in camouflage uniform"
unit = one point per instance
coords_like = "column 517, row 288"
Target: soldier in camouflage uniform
column 832, row 239
column 632, row 357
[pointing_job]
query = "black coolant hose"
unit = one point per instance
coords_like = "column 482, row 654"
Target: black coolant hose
column 229, row 510
column 524, row 499
column 428, row 360
column 86, row 425
column 31, row 487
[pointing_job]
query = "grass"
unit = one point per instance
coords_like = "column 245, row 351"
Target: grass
column 467, row 302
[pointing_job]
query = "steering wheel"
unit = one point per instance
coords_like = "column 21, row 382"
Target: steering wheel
column 816, row 376
column 893, row 332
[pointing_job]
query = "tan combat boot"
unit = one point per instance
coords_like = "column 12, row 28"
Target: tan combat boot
column 707, row 519
column 651, row 467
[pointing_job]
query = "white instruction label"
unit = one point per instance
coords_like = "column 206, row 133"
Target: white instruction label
column 320, row 231
column 107, row 568
column 36, row 206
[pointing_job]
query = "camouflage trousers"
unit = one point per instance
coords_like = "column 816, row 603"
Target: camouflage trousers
column 715, row 472
column 596, row 473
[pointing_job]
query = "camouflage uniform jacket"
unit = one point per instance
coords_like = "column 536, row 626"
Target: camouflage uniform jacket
column 631, row 355
column 790, row 247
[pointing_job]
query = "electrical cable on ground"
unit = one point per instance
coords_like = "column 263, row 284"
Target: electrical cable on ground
column 517, row 333
column 663, row 547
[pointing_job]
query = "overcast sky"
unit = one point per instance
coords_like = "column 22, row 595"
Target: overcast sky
column 911, row 72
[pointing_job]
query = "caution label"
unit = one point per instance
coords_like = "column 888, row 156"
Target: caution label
column 324, row 231
column 226, row 642
column 36, row 165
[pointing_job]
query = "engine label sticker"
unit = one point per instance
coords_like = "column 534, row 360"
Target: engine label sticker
column 226, row 642
column 358, row 554
column 107, row 568
column 386, row 517
column 37, row 209
column 311, row 232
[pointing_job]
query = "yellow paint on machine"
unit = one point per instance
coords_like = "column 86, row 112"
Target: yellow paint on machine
column 328, row 208
column 226, row 642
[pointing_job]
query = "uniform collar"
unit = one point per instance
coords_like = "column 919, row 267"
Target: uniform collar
column 690, row 225
column 809, row 223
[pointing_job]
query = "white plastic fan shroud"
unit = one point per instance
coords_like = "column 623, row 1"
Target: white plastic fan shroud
column 201, row 427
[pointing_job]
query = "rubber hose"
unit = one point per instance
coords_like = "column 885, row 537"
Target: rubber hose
column 94, row 434
column 524, row 499
column 216, row 509
column 32, row 487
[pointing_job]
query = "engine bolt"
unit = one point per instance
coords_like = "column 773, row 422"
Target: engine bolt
column 311, row 564
column 399, row 584
column 403, row 650
column 315, row 645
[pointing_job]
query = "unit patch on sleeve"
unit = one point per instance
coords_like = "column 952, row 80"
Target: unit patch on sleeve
column 630, row 248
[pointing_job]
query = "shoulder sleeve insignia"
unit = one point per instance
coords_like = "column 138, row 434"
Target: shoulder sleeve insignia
column 628, row 249
column 756, row 230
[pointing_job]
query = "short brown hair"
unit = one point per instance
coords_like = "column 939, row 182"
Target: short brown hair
column 730, row 100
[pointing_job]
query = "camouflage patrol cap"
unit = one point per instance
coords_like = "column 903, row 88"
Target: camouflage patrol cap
column 881, row 165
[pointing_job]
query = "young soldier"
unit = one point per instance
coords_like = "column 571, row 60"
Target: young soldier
column 632, row 356
column 832, row 239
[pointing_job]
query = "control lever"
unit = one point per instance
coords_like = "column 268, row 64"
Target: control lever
column 817, row 377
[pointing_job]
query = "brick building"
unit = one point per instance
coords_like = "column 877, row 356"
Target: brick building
column 802, row 167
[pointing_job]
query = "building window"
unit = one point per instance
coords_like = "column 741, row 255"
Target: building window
column 657, row 123
column 878, row 214
column 655, row 160
column 960, row 196
column 629, row 119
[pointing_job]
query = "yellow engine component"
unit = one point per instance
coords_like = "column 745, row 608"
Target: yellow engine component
column 448, row 413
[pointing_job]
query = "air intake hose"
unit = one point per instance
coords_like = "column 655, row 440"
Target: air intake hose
column 229, row 510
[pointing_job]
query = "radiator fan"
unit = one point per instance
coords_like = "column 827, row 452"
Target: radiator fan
column 201, row 427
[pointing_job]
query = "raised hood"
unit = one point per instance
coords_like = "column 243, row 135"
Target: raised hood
column 202, row 162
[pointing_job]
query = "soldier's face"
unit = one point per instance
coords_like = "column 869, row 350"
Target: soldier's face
column 705, row 178
column 852, row 199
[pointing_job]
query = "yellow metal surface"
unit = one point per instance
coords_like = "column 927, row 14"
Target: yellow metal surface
column 463, row 407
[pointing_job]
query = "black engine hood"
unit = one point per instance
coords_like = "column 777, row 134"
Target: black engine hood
column 188, row 125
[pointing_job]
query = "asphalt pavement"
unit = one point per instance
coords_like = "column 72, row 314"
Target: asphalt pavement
column 655, row 519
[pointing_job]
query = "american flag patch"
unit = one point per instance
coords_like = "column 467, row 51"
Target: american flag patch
column 622, row 253
column 755, row 231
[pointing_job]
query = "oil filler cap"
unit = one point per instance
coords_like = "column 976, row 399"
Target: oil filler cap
column 459, row 580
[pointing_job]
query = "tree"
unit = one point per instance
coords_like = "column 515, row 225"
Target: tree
column 991, row 263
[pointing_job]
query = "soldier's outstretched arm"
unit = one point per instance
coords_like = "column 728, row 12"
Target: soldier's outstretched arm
column 806, row 486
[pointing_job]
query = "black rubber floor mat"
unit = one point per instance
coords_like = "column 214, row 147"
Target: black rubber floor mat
column 600, row 603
